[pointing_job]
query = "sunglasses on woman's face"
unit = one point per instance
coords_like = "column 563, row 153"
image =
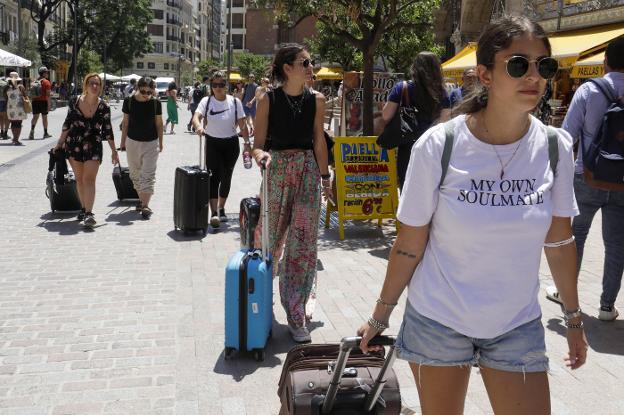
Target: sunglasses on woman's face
column 219, row 85
column 94, row 84
column 518, row 66
column 307, row 62
column 145, row 91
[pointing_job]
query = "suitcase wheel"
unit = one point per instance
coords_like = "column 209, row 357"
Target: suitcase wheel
column 259, row 355
column 228, row 353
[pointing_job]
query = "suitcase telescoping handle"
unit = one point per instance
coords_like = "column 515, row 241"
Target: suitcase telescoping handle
column 202, row 159
column 265, row 211
column 346, row 345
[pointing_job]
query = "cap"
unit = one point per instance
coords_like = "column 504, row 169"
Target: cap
column 15, row 76
column 43, row 69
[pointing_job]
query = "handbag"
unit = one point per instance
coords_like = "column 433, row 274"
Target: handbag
column 27, row 105
column 404, row 126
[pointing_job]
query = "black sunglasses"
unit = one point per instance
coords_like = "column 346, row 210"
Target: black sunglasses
column 518, row 66
column 221, row 85
column 307, row 62
column 145, row 91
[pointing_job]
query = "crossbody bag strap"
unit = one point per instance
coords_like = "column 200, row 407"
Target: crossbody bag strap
column 405, row 94
column 206, row 111
column 553, row 148
column 606, row 90
column 449, row 139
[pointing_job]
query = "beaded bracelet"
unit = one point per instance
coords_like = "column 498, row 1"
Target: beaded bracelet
column 559, row 243
column 377, row 325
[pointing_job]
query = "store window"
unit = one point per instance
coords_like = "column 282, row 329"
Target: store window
column 166, row 66
column 151, row 65
column 139, row 65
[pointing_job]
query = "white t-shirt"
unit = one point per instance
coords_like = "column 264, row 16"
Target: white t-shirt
column 479, row 272
column 219, row 120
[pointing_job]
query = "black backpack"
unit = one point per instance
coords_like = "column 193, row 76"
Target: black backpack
column 603, row 160
column 198, row 94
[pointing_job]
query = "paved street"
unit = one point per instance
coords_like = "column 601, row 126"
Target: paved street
column 128, row 318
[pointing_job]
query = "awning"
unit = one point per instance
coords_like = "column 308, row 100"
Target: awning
column 9, row 59
column 465, row 58
column 130, row 77
column 591, row 67
column 329, row 74
column 109, row 77
column 568, row 47
column 235, row 77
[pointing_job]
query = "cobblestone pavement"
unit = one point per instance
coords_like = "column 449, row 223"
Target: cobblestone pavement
column 128, row 318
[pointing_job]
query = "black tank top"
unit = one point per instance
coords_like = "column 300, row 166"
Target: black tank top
column 289, row 128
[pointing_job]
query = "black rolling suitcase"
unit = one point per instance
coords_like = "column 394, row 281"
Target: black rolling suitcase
column 61, row 184
column 123, row 184
column 191, row 196
column 338, row 379
column 248, row 219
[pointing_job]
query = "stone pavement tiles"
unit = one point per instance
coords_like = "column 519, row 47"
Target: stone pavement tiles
column 128, row 319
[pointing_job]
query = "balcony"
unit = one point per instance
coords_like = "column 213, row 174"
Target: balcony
column 173, row 38
column 545, row 10
column 174, row 3
column 174, row 20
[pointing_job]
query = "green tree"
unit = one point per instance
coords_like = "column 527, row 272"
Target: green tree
column 330, row 48
column 362, row 24
column 249, row 63
column 89, row 61
column 207, row 67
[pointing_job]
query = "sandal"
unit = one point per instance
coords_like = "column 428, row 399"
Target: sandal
column 146, row 212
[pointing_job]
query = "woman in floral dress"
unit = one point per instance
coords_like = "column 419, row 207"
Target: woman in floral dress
column 15, row 106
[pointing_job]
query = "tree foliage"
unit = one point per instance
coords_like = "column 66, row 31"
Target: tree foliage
column 361, row 24
column 89, row 61
column 207, row 67
column 249, row 63
column 330, row 48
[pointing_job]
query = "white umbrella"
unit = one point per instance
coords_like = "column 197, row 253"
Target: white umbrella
column 9, row 59
column 109, row 77
column 130, row 77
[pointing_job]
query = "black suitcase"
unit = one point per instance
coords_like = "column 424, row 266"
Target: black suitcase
column 123, row 184
column 61, row 185
column 248, row 219
column 191, row 196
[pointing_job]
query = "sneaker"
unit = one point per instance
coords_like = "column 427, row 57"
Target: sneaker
column 31, row 136
column 300, row 334
column 46, row 135
column 553, row 295
column 222, row 216
column 89, row 221
column 608, row 313
column 214, row 221
column 81, row 215
column 146, row 212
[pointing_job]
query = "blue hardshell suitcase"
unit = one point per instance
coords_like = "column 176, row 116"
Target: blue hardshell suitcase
column 249, row 295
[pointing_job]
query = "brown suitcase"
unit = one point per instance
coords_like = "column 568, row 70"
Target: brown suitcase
column 338, row 379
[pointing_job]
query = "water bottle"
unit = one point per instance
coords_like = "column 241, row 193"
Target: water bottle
column 247, row 159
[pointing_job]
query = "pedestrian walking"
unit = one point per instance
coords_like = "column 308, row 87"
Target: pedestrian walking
column 263, row 89
column 470, row 241
column 130, row 88
column 4, row 118
column 583, row 122
column 40, row 96
column 142, row 139
column 196, row 96
column 248, row 105
column 239, row 91
column 172, row 106
column 216, row 118
column 469, row 77
column 427, row 94
column 87, row 125
column 16, row 93
column 290, row 118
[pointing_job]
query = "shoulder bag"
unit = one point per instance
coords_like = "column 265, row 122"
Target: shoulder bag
column 404, row 127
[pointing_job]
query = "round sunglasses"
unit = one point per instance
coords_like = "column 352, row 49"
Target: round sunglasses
column 307, row 62
column 518, row 66
column 145, row 91
column 218, row 85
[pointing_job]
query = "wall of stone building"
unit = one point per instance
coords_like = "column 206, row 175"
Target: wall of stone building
column 261, row 35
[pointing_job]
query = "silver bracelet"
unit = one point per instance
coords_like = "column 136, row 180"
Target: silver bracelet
column 578, row 326
column 559, row 243
column 377, row 325
column 569, row 315
column 383, row 303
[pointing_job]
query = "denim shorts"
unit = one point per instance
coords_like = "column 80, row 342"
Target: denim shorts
column 427, row 342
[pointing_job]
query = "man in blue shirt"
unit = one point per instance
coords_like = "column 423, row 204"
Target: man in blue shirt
column 582, row 121
column 469, row 77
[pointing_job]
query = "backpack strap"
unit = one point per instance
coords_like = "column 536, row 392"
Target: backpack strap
column 449, row 139
column 605, row 88
column 553, row 148
column 206, row 112
column 405, row 94
column 235, row 112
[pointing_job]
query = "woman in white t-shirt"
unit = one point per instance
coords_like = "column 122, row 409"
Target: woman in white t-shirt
column 216, row 118
column 471, row 239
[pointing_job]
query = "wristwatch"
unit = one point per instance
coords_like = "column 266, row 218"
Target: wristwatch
column 569, row 315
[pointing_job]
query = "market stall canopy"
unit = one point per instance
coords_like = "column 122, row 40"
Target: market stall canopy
column 130, row 77
column 329, row 74
column 568, row 47
column 109, row 77
column 466, row 58
column 235, row 77
column 592, row 67
column 9, row 59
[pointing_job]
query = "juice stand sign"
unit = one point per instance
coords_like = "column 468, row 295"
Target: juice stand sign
column 366, row 183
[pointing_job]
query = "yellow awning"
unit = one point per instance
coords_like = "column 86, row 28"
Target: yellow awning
column 591, row 67
column 329, row 74
column 235, row 77
column 465, row 58
column 568, row 47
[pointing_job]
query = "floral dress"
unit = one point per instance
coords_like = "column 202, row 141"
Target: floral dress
column 84, row 141
column 15, row 104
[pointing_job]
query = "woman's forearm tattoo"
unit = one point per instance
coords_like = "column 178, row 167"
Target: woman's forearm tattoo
column 407, row 254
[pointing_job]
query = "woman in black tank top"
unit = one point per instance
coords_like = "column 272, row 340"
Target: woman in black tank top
column 289, row 121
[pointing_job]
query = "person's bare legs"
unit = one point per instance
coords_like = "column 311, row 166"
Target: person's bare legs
column 222, row 201
column 517, row 393
column 441, row 389
column 89, row 174
column 33, row 124
column 16, row 134
column 4, row 122
column 145, row 199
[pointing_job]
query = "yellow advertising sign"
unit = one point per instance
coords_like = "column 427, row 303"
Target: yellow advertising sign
column 594, row 71
column 366, row 180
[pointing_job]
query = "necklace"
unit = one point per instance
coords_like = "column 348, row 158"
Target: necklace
column 296, row 105
column 500, row 160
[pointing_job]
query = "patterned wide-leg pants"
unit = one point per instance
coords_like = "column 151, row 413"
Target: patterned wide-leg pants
column 294, row 208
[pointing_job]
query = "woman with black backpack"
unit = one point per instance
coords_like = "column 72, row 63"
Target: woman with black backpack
column 426, row 93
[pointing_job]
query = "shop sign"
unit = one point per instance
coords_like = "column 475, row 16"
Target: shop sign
column 366, row 180
column 593, row 71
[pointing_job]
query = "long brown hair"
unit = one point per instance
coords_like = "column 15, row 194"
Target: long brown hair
column 428, row 87
column 495, row 37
